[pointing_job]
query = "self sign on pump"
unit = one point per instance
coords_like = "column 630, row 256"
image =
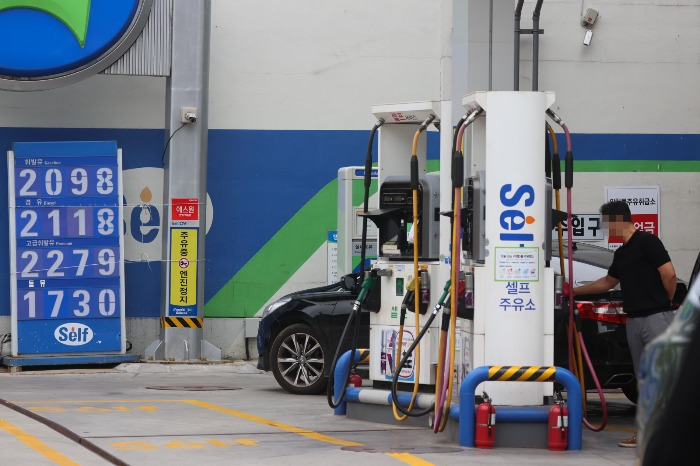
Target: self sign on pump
column 514, row 219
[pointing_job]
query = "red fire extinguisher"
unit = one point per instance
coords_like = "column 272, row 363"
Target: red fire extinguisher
column 485, row 432
column 558, row 431
column 355, row 380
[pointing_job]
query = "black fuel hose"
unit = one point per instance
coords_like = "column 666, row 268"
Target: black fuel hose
column 454, row 136
column 547, row 154
column 357, row 307
column 83, row 441
column 366, row 288
column 367, row 185
column 409, row 352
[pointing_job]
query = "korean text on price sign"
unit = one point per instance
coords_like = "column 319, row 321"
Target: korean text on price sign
column 66, row 247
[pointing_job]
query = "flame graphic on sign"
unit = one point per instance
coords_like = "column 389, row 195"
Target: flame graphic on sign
column 146, row 194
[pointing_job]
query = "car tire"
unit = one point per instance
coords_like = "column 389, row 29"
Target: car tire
column 630, row 391
column 297, row 360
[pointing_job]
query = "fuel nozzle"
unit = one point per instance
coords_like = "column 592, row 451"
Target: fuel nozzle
column 443, row 297
column 424, row 288
column 426, row 123
column 465, row 296
column 367, row 285
column 408, row 300
column 558, row 292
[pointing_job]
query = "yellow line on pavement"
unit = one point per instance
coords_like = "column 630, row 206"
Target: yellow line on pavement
column 278, row 425
column 92, row 401
column 36, row 444
column 403, row 457
column 409, row 459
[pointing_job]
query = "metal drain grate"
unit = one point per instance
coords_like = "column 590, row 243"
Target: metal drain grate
column 192, row 388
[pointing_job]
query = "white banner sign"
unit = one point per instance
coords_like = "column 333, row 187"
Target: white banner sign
column 644, row 206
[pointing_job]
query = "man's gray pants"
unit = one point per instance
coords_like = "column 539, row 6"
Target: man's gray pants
column 641, row 330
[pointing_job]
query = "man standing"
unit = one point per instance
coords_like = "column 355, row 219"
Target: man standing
column 647, row 278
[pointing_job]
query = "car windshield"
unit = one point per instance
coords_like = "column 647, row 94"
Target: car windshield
column 588, row 254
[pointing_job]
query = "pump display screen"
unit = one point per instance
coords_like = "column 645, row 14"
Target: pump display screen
column 66, row 247
column 396, row 199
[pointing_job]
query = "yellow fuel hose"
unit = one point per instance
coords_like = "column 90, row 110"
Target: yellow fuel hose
column 454, row 296
column 455, row 265
column 416, row 299
column 397, row 349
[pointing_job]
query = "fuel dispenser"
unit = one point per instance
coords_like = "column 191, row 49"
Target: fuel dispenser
column 497, row 273
column 508, row 241
column 403, row 243
column 350, row 180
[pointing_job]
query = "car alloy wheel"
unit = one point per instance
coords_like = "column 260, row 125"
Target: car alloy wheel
column 297, row 360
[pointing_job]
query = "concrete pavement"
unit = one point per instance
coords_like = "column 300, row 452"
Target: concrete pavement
column 147, row 414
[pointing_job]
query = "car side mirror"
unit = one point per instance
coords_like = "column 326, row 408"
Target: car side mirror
column 350, row 282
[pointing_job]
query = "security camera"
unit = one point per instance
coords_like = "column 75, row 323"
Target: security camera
column 587, row 38
column 589, row 18
column 188, row 115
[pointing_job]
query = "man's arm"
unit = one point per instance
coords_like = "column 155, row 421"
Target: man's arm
column 601, row 285
column 668, row 278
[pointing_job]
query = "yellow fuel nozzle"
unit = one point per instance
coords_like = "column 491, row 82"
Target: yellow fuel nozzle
column 411, row 285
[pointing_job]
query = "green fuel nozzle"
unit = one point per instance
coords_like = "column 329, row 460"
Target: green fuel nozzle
column 367, row 285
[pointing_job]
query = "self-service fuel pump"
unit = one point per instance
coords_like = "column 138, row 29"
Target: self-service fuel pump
column 501, row 265
column 398, row 234
column 509, row 205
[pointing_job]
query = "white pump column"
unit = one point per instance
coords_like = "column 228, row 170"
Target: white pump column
column 401, row 121
column 513, row 323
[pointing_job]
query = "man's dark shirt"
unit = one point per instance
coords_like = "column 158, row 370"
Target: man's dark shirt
column 636, row 265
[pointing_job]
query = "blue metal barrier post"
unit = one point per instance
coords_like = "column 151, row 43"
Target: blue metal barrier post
column 341, row 368
column 543, row 374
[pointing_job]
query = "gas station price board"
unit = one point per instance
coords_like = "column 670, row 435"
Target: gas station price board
column 66, row 244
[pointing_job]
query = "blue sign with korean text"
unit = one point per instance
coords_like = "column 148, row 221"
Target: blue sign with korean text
column 66, row 244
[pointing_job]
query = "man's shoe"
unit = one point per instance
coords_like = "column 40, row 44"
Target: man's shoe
column 629, row 443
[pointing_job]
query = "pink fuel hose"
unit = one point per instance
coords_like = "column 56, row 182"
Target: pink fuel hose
column 570, row 251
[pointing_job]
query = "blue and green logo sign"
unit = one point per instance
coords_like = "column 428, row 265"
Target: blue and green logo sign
column 42, row 38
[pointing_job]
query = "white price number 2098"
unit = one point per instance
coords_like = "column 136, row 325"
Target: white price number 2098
column 53, row 182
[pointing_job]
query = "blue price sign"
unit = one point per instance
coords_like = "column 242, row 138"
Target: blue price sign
column 67, row 272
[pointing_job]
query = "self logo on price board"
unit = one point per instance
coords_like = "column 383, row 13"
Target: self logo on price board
column 73, row 334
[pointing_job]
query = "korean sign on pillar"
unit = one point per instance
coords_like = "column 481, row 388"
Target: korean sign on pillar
column 644, row 206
